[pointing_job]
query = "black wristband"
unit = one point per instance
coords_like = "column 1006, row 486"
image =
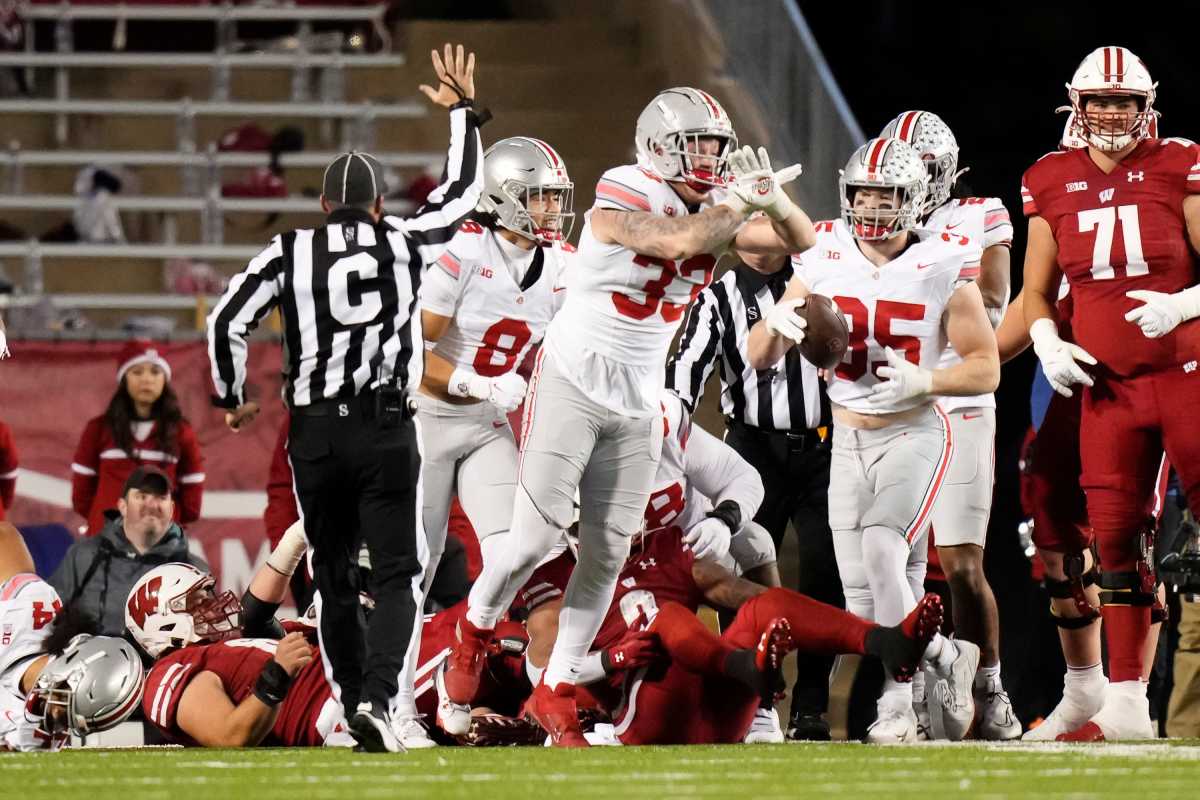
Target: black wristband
column 729, row 512
column 466, row 102
column 258, row 618
column 272, row 684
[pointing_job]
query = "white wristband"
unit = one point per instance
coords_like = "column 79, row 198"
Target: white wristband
column 467, row 384
column 290, row 551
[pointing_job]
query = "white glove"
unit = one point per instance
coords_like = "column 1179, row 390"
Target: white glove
column 504, row 391
column 291, row 548
column 782, row 320
column 708, row 539
column 756, row 187
column 1161, row 312
column 1059, row 358
column 903, row 380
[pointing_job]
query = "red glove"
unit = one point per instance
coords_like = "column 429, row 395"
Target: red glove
column 637, row 649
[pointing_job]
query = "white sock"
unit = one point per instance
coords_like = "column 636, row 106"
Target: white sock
column 896, row 696
column 989, row 678
column 940, row 653
column 1083, row 679
column 918, row 688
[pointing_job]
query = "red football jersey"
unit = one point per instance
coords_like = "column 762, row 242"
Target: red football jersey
column 658, row 566
column 238, row 663
column 1118, row 232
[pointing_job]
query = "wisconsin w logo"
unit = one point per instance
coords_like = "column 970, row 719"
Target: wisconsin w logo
column 1107, row 195
column 144, row 602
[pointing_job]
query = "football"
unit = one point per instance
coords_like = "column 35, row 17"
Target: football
column 826, row 335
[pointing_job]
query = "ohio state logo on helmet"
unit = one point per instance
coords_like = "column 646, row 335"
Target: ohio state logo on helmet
column 893, row 176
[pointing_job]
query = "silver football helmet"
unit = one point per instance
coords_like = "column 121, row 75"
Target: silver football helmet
column 527, row 188
column 934, row 142
column 668, row 137
column 890, row 165
column 94, row 685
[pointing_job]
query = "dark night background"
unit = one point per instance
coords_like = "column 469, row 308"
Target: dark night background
column 995, row 74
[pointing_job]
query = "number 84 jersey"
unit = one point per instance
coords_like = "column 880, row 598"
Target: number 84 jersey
column 1118, row 232
column 899, row 305
column 495, row 317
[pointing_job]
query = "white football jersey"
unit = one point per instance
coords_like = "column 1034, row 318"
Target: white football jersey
column 28, row 606
column 496, row 319
column 622, row 309
column 899, row 305
column 695, row 473
column 986, row 220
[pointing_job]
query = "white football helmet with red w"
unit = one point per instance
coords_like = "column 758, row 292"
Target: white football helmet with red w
column 1108, row 71
column 174, row 605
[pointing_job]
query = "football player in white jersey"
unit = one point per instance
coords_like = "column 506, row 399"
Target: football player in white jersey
column 903, row 299
column 484, row 304
column 960, row 517
column 649, row 246
column 55, row 682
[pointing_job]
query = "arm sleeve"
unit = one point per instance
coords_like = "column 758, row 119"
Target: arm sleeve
column 190, row 475
column 434, row 224
column 251, row 294
column 693, row 362
column 720, row 474
column 84, row 469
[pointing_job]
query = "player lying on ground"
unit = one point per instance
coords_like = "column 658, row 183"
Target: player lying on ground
column 905, row 297
column 56, row 679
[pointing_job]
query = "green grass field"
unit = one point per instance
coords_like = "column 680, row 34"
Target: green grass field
column 1159, row 770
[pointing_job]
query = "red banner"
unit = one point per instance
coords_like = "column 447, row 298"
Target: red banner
column 48, row 392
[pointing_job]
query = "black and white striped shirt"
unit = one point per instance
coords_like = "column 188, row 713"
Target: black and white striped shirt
column 347, row 291
column 787, row 397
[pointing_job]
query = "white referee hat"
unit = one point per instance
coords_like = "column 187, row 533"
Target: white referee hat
column 353, row 179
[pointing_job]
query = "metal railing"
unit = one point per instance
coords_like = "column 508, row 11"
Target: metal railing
column 773, row 54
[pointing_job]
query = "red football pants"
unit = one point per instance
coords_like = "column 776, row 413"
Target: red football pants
column 692, row 701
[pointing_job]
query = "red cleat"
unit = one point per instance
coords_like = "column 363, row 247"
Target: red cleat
column 555, row 710
column 465, row 663
column 1087, row 732
column 773, row 645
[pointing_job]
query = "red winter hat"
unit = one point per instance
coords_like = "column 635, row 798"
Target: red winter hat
column 140, row 351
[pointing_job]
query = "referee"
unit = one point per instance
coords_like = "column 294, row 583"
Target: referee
column 347, row 292
column 778, row 420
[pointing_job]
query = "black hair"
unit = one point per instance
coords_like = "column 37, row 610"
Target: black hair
column 121, row 413
column 70, row 622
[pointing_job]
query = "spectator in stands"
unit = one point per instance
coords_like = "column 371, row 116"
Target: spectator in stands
column 142, row 425
column 8, row 469
column 97, row 573
column 96, row 219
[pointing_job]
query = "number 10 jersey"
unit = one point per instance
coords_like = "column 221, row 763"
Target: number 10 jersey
column 623, row 308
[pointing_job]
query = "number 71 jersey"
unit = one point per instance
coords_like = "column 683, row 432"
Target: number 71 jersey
column 899, row 305
column 1116, row 233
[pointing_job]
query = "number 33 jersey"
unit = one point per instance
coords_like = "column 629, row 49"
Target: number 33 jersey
column 622, row 308
column 1116, row 233
column 899, row 305
column 495, row 317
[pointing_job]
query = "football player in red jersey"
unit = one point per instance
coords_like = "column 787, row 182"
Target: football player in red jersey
column 1117, row 218
column 668, row 679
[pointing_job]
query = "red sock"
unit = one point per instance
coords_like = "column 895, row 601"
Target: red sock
column 690, row 644
column 816, row 627
column 1126, row 628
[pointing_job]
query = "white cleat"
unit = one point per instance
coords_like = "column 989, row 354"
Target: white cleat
column 453, row 718
column 764, row 729
column 893, row 727
column 997, row 722
column 1124, row 717
column 924, row 731
column 1075, row 709
column 952, row 699
column 411, row 732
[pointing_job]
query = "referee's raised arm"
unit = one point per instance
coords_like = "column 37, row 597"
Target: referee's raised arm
column 347, row 292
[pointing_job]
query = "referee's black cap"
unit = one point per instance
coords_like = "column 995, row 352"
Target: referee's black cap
column 353, row 179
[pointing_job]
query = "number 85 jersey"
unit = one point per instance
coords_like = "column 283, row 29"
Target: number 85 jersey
column 495, row 319
column 1118, row 232
column 899, row 305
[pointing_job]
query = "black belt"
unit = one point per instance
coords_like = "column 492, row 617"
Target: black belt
column 365, row 403
column 804, row 439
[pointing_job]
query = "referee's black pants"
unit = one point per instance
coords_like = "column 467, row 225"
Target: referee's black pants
column 357, row 479
column 795, row 476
